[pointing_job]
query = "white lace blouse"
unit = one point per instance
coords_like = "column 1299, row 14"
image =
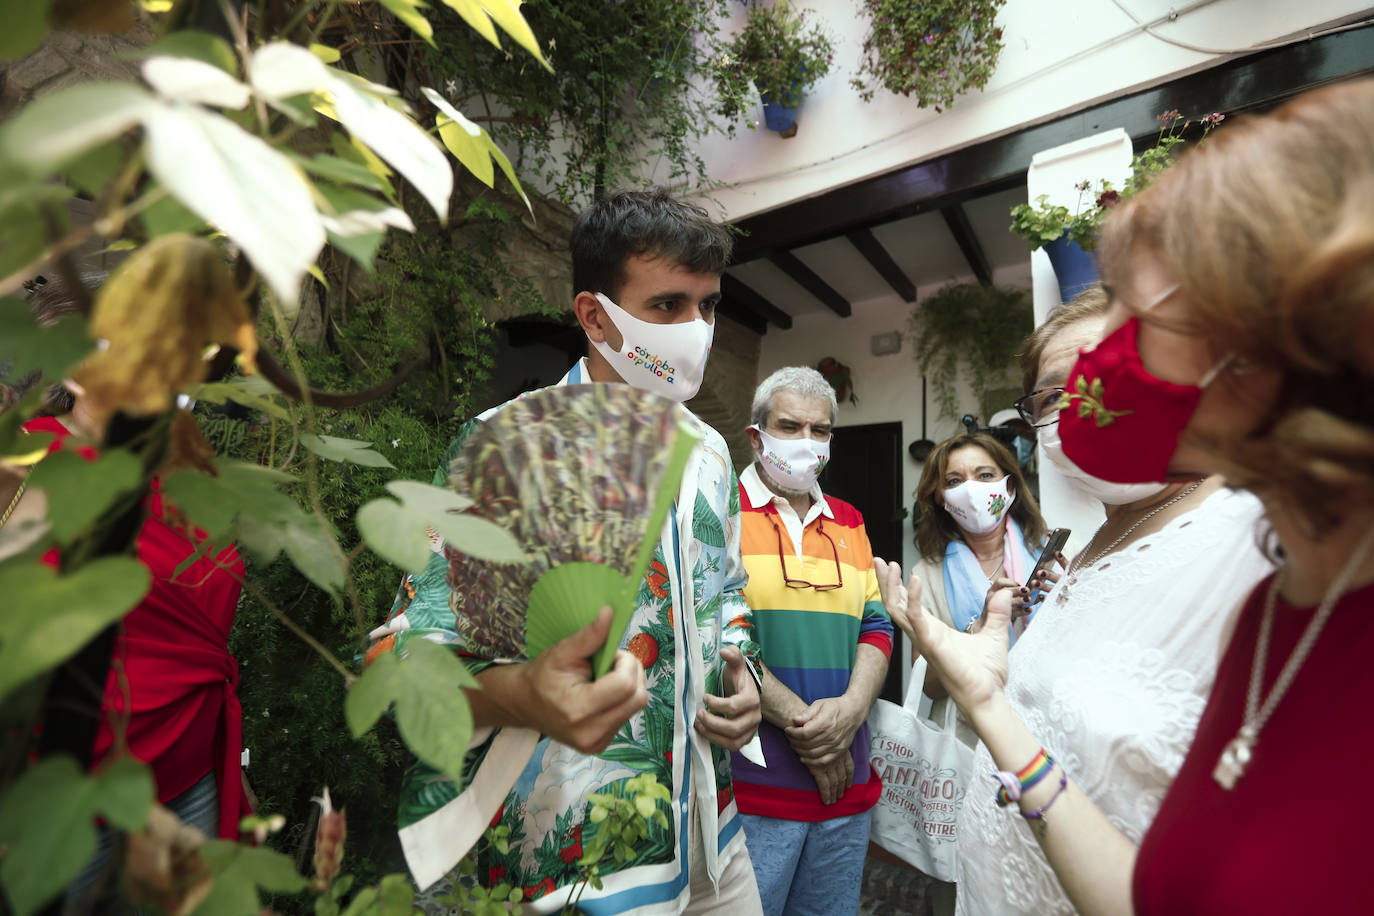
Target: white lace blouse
column 1112, row 679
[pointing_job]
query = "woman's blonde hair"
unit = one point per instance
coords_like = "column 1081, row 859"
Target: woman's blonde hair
column 1268, row 228
column 937, row 527
column 1092, row 302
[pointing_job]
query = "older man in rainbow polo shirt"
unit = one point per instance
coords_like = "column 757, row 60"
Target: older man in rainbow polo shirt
column 826, row 639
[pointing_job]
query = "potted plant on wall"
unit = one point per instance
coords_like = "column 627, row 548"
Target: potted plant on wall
column 783, row 54
column 970, row 327
column 1069, row 237
column 931, row 49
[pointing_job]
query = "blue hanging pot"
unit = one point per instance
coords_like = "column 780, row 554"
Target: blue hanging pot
column 1074, row 269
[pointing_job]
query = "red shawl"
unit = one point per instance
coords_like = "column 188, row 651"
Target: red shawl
column 172, row 675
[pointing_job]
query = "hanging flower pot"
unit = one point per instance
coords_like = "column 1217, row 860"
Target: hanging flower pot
column 1074, row 269
column 929, row 50
column 780, row 111
column 783, row 54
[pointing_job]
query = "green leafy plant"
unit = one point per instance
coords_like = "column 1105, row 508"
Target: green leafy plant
column 780, row 51
column 967, row 327
column 931, row 49
column 1044, row 222
column 634, row 85
column 279, row 147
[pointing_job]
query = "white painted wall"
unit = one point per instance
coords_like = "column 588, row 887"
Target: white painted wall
column 888, row 387
column 1060, row 55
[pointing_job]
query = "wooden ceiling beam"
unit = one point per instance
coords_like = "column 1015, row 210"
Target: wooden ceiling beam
column 734, row 292
column 967, row 240
column 808, row 280
column 875, row 254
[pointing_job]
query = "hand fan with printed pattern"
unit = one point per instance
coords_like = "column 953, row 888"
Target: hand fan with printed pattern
column 583, row 476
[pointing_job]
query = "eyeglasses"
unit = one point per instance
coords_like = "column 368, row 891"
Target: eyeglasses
column 1034, row 406
column 802, row 583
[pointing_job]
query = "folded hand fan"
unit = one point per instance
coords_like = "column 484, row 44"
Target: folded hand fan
column 583, row 476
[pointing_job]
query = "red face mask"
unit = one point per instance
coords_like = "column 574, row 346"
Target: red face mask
column 1119, row 422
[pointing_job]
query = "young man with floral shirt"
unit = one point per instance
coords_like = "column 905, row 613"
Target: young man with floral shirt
column 683, row 692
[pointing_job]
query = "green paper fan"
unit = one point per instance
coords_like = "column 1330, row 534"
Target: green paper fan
column 583, row 476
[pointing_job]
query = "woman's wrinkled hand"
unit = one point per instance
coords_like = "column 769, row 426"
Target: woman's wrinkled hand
column 971, row 666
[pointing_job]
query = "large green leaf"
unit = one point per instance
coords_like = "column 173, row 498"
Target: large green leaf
column 97, row 167
column 407, row 11
column 357, row 222
column 79, row 491
column 397, row 531
column 281, row 71
column 169, row 216
column 191, row 80
column 239, row 184
column 212, row 502
column 342, row 170
column 480, row 14
column 47, row 823
column 22, row 27
column 350, row 451
column 317, row 555
column 265, row 519
column 239, row 870
column 431, row 711
column 472, row 145
column 241, row 391
column 49, row 133
column 51, row 350
column 50, row 617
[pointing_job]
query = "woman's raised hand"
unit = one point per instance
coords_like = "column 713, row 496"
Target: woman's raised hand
column 971, row 666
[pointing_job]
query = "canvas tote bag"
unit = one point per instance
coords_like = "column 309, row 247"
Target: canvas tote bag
column 925, row 771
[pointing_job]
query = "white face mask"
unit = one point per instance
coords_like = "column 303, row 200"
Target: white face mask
column 665, row 359
column 979, row 506
column 793, row 464
column 1104, row 491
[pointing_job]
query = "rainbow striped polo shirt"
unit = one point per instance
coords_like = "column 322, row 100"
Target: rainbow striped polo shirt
column 809, row 639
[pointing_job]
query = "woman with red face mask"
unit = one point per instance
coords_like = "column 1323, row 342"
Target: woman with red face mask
column 1240, row 342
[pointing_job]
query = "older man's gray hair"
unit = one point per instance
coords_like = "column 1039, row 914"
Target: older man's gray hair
column 802, row 380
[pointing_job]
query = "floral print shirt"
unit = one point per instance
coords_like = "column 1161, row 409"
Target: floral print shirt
column 547, row 810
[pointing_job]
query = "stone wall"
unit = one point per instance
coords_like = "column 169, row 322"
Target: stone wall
column 727, row 392
column 66, row 58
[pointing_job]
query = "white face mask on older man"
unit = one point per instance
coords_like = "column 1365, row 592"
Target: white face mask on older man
column 793, row 464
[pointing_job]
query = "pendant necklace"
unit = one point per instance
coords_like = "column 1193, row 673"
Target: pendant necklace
column 997, row 569
column 1240, row 749
column 1075, row 567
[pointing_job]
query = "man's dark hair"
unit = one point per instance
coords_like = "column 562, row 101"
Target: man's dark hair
column 652, row 222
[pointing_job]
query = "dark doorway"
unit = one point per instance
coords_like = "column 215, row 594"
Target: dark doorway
column 865, row 470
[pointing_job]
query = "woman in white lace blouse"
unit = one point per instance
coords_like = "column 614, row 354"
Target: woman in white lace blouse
column 1114, row 674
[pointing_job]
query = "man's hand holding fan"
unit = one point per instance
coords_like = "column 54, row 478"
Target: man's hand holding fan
column 584, row 477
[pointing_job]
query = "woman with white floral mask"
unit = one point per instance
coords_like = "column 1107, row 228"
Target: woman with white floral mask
column 979, row 526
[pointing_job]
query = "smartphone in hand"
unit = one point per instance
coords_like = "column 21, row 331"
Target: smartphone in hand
column 1058, row 538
